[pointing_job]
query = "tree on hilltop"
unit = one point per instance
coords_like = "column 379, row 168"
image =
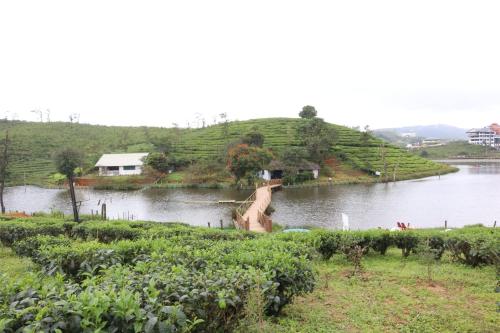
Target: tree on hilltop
column 308, row 112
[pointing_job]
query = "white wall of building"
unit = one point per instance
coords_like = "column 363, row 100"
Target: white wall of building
column 137, row 171
column 103, row 171
column 264, row 174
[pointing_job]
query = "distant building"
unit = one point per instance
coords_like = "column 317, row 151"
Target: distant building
column 432, row 142
column 409, row 135
column 486, row 136
column 275, row 170
column 121, row 164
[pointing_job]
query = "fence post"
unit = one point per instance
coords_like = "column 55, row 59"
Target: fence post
column 221, row 224
column 209, row 224
column 446, row 224
column 103, row 211
column 495, row 224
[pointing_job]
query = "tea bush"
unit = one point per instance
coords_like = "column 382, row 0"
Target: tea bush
column 205, row 281
column 16, row 230
column 474, row 247
column 29, row 247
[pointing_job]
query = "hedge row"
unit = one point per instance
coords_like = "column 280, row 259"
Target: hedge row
column 165, row 285
column 12, row 231
column 473, row 245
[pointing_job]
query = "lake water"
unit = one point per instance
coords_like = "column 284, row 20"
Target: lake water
column 469, row 196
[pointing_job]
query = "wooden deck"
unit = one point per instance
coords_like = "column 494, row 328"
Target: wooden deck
column 250, row 215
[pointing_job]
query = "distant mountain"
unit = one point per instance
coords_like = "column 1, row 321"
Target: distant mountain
column 431, row 131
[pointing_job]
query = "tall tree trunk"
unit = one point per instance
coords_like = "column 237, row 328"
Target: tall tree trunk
column 73, row 199
column 2, row 186
column 3, row 169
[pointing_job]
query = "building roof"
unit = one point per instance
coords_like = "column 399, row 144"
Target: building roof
column 496, row 128
column 481, row 130
column 121, row 159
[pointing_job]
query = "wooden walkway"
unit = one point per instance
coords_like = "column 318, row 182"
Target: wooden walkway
column 250, row 215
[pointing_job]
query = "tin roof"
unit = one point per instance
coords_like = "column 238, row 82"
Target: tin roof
column 121, row 159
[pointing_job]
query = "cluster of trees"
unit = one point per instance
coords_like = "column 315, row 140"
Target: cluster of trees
column 316, row 135
column 244, row 160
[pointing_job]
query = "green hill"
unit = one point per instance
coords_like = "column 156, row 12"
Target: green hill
column 33, row 145
column 458, row 149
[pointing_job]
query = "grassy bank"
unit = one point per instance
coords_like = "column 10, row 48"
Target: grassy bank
column 458, row 150
column 394, row 295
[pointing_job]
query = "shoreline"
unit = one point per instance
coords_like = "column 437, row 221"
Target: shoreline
column 216, row 186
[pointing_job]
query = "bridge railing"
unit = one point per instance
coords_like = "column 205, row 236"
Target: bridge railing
column 275, row 182
column 265, row 221
column 241, row 223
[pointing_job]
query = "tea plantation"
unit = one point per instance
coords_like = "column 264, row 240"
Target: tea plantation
column 34, row 144
column 119, row 276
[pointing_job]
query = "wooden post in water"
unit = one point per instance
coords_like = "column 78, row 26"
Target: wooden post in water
column 221, row 224
column 103, row 211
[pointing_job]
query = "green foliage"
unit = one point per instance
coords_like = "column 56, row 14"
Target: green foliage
column 34, row 144
column 308, row 112
column 461, row 149
column 159, row 162
column 317, row 137
column 16, row 230
column 475, row 247
column 244, row 159
column 150, row 277
column 174, row 279
column 30, row 246
column 58, row 178
column 253, row 138
column 407, row 241
column 67, row 161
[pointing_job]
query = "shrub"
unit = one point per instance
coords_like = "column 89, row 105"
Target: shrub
column 474, row 248
column 380, row 240
column 407, row 241
column 29, row 247
column 327, row 243
column 17, row 230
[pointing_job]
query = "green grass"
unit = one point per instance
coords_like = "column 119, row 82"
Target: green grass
column 34, row 144
column 459, row 149
column 13, row 265
column 393, row 295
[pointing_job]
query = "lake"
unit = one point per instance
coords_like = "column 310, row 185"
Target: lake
column 469, row 196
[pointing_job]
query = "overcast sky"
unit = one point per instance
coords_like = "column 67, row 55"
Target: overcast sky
column 382, row 63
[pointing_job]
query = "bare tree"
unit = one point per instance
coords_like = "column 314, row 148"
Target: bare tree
column 74, row 117
column 40, row 114
column 4, row 162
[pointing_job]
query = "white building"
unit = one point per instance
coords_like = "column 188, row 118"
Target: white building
column 486, row 136
column 121, row 164
column 276, row 168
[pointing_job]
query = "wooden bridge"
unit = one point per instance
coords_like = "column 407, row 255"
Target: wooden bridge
column 250, row 215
